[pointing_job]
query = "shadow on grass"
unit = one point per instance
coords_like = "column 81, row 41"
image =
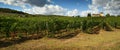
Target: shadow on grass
column 68, row 36
column 7, row 43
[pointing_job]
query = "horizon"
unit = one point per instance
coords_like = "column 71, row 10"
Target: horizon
column 65, row 8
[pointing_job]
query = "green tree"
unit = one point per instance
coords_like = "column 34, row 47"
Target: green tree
column 89, row 15
column 108, row 15
column 118, row 15
column 78, row 16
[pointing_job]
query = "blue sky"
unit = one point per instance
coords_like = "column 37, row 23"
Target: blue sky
column 80, row 5
column 69, row 4
column 73, row 4
column 2, row 5
column 63, row 7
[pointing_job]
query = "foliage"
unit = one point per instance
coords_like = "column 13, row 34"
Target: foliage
column 108, row 15
column 6, row 10
column 52, row 25
column 89, row 15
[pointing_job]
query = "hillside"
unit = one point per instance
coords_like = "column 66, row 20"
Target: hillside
column 7, row 10
column 15, row 13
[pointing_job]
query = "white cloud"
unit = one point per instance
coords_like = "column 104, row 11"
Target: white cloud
column 74, row 12
column 99, row 2
column 49, row 0
column 84, row 13
column 41, row 7
column 92, row 9
column 14, row 2
column 37, row 6
column 108, row 6
column 22, row 3
column 47, row 10
column 51, row 10
column 44, row 7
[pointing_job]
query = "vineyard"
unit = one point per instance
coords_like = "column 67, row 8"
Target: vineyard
column 53, row 27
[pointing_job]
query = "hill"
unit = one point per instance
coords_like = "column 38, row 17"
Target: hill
column 11, row 12
column 7, row 10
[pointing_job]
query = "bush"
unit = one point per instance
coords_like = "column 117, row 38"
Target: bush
column 94, row 30
column 107, row 27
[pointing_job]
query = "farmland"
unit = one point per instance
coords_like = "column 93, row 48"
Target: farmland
column 17, row 28
column 49, row 26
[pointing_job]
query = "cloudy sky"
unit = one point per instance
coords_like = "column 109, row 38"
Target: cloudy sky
column 63, row 7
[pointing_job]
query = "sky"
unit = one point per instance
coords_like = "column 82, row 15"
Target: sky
column 63, row 7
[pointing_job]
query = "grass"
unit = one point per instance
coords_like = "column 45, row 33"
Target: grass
column 103, row 41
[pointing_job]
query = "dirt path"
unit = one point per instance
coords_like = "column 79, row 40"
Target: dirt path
column 104, row 40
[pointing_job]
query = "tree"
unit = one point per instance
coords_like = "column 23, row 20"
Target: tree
column 89, row 15
column 78, row 16
column 72, row 16
column 112, row 16
column 118, row 15
column 108, row 15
